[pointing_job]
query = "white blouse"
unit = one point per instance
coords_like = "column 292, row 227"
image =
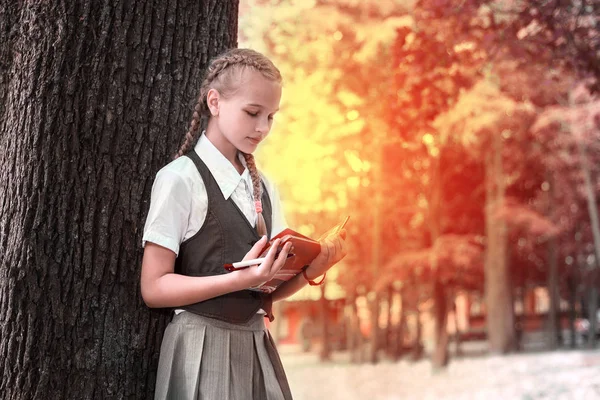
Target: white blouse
column 179, row 202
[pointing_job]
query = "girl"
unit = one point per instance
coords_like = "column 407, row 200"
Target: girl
column 210, row 206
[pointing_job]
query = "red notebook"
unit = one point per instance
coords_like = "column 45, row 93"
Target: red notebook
column 305, row 250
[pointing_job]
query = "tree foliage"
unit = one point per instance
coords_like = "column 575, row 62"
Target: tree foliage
column 411, row 103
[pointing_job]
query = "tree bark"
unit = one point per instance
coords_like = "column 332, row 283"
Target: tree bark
column 389, row 328
column 350, row 317
column 358, row 353
column 593, row 306
column 376, row 253
column 397, row 347
column 457, row 334
column 554, row 309
column 325, row 353
column 572, row 288
column 374, row 311
column 498, row 291
column 440, row 355
column 95, row 98
column 594, row 221
column 417, row 350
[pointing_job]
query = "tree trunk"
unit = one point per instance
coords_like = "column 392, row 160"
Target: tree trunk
column 398, row 341
column 572, row 288
column 553, row 311
column 376, row 256
column 594, row 221
column 357, row 355
column 350, row 317
column 417, row 351
column 457, row 334
column 389, row 328
column 593, row 306
column 440, row 353
column 325, row 354
column 374, row 308
column 95, row 99
column 498, row 291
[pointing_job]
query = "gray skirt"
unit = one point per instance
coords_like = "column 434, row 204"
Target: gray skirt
column 204, row 358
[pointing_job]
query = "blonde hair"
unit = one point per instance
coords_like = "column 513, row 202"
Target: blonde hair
column 223, row 74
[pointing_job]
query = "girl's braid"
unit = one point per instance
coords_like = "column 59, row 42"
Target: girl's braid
column 191, row 136
column 243, row 58
column 261, row 226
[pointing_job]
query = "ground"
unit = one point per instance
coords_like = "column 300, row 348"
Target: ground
column 568, row 374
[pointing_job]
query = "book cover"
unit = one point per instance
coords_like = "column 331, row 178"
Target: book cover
column 304, row 251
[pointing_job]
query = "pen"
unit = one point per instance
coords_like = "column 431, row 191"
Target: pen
column 247, row 263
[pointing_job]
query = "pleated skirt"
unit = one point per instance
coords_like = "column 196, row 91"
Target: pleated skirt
column 206, row 359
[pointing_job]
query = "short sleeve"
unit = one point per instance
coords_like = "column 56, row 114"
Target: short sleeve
column 170, row 207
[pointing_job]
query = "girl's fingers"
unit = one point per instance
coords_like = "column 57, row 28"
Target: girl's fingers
column 256, row 249
column 271, row 254
column 337, row 249
column 333, row 249
column 330, row 249
column 338, row 245
column 281, row 259
column 344, row 248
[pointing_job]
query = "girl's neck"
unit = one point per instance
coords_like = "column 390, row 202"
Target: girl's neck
column 238, row 165
column 229, row 151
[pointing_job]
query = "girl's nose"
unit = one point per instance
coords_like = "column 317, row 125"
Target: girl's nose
column 263, row 125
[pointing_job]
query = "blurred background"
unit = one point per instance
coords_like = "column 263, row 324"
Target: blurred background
column 462, row 138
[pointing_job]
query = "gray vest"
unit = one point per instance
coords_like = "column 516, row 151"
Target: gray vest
column 226, row 236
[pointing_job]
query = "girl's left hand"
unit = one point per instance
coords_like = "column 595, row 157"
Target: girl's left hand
column 333, row 249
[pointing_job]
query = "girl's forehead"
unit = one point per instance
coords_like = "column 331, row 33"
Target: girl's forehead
column 254, row 88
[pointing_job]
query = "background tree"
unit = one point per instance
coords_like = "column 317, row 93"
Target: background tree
column 576, row 122
column 434, row 141
column 331, row 123
column 94, row 100
column 491, row 37
column 431, row 66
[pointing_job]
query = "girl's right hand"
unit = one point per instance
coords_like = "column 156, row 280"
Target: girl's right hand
column 257, row 275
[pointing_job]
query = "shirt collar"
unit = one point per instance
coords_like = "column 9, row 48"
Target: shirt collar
column 222, row 170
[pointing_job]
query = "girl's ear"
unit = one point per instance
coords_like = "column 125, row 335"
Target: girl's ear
column 212, row 100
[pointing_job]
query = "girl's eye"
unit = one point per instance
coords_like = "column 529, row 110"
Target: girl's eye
column 251, row 114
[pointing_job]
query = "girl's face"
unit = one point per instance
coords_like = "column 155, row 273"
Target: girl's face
column 244, row 118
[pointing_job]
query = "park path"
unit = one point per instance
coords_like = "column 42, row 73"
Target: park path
column 542, row 375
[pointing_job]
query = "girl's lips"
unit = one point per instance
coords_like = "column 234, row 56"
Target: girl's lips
column 254, row 140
